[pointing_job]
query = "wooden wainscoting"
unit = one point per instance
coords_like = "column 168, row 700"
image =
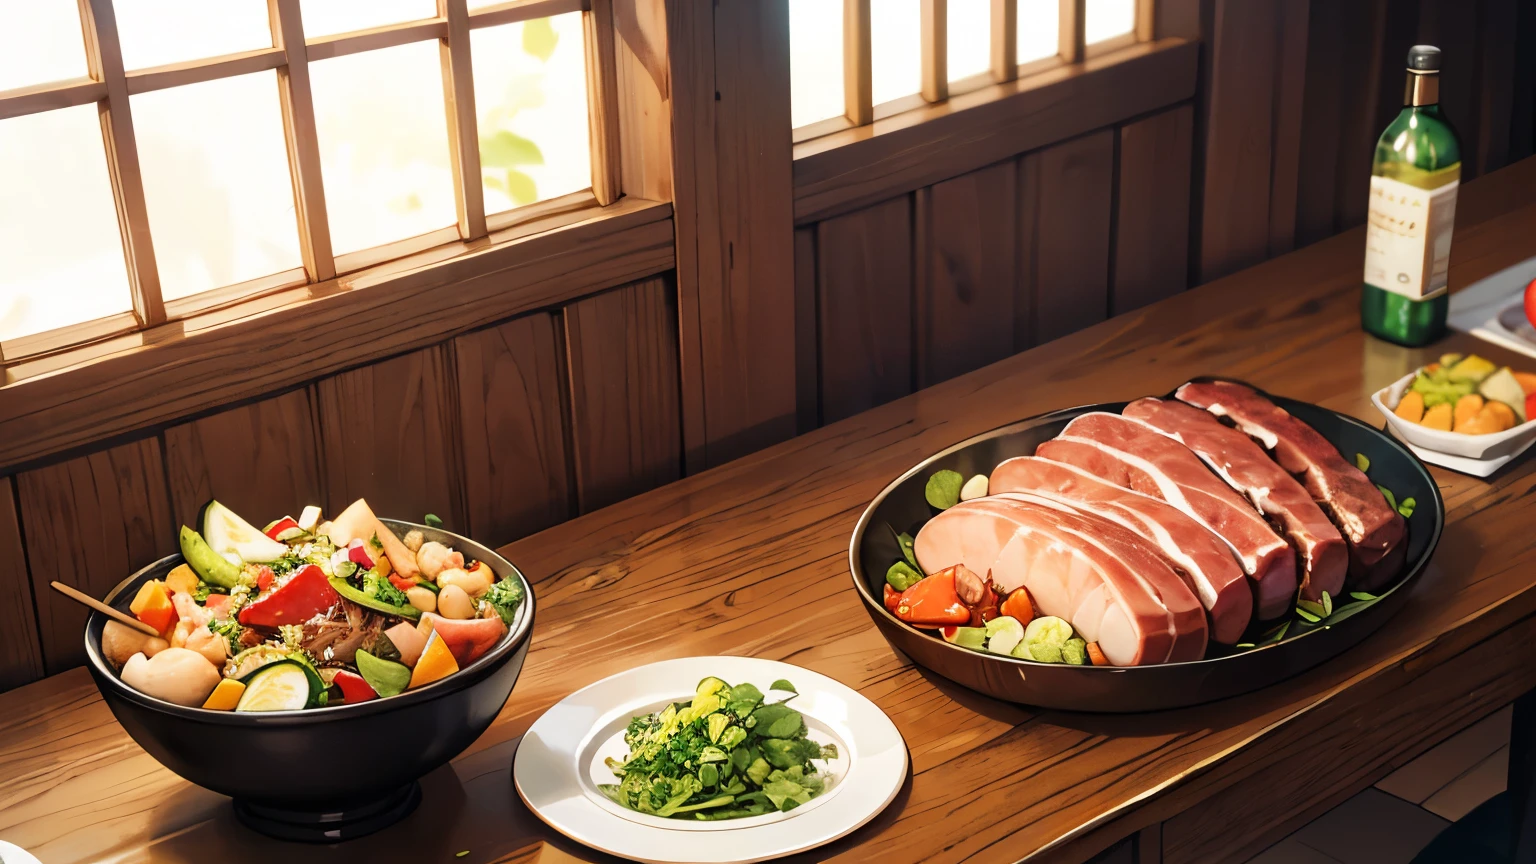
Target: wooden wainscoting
column 920, row 288
column 500, row 431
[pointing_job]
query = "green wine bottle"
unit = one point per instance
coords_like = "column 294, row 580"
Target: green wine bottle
column 1414, row 179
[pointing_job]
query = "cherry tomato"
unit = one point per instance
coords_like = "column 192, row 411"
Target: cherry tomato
column 891, row 598
column 264, row 579
column 1530, row 302
column 1019, row 607
column 933, row 602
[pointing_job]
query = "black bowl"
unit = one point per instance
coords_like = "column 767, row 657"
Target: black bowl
column 1224, row 672
column 324, row 774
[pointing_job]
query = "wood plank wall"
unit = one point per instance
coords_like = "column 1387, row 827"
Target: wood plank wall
column 501, row 432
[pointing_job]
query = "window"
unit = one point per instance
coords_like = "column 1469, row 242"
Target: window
column 159, row 158
column 915, row 51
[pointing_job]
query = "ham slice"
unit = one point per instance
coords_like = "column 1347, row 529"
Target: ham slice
column 1084, row 569
column 1249, row 470
column 1203, row 560
column 1132, row 454
column 1374, row 530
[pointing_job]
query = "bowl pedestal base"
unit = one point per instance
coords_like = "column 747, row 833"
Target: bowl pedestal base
column 315, row 826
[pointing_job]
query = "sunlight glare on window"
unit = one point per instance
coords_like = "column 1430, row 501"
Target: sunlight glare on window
column 40, row 42
column 1106, row 19
column 217, row 186
column 531, row 107
column 1039, row 25
column 157, row 32
column 815, row 61
column 61, row 256
column 325, row 17
column 969, row 46
column 383, row 145
column 896, row 41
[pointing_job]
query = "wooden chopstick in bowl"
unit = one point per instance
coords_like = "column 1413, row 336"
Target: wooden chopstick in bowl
column 104, row 609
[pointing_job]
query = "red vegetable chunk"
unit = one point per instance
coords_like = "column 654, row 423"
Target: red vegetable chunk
column 467, row 640
column 354, row 688
column 301, row 598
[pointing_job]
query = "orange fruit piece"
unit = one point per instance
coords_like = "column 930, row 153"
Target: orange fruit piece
column 1466, row 408
column 225, row 696
column 436, row 663
column 1411, row 407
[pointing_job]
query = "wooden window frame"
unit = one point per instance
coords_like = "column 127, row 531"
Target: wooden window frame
column 936, row 87
column 109, row 86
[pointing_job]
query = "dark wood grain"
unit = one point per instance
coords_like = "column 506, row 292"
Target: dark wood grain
column 1362, row 63
column 89, row 522
column 21, row 654
column 965, row 248
column 807, row 361
column 1152, row 209
column 1321, row 120
column 751, row 558
column 261, row 460
column 1072, row 246
column 389, row 433
column 1287, row 149
column 1496, row 83
column 513, row 421
column 622, row 356
column 1452, row 25
column 865, row 267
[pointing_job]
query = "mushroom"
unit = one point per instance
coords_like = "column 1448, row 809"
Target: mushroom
column 177, row 675
column 119, row 642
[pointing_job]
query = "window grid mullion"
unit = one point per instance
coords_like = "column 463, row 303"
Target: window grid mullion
column 1071, row 35
column 602, row 100
column 1145, row 20
column 1005, row 40
column 463, row 126
column 303, row 141
column 104, row 56
column 858, row 63
column 935, row 57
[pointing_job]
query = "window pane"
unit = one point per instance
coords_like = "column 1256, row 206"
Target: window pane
column 383, row 145
column 324, row 17
column 970, row 47
column 61, row 257
column 216, row 182
column 895, row 29
column 156, row 32
column 815, row 61
column 531, row 106
column 40, row 42
column 1039, row 25
column 1107, row 19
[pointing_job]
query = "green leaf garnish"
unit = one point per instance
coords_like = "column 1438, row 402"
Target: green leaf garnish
column 1307, row 616
column 1387, row 494
column 1361, row 595
column 1406, row 507
column 943, row 489
column 431, row 520
column 784, row 685
column 1361, row 462
column 1313, row 607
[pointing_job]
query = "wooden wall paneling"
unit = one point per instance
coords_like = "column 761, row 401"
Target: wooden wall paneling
column 1287, row 106
column 1072, row 243
column 1522, row 131
column 622, row 356
column 261, row 460
column 1321, row 119
column 512, row 414
column 89, row 522
column 1397, row 31
column 389, row 433
column 1026, row 256
column 1496, row 84
column 865, row 278
column 21, row 654
column 645, row 127
column 965, row 252
column 1239, row 87
column 733, row 206
column 1152, row 209
column 807, row 356
column 1453, row 26
column 1362, row 68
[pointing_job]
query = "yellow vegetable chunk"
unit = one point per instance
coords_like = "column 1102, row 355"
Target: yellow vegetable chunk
column 1438, row 417
column 225, row 696
column 181, row 580
column 1411, row 407
column 1466, row 408
column 436, row 663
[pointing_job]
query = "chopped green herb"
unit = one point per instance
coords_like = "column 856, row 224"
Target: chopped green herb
column 1315, row 609
column 431, row 520
column 1277, row 634
column 905, row 540
column 461, row 854
column 901, row 577
column 1307, row 616
column 943, row 489
column 1361, row 595
column 1387, row 494
column 1406, row 506
column 1243, row 645
column 1327, row 605
column 1361, row 462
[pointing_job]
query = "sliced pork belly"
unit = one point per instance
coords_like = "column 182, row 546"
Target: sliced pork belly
column 1132, row 454
column 1086, row 570
column 1374, row 530
column 1249, row 470
column 1203, row 560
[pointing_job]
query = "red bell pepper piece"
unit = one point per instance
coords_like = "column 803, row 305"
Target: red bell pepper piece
column 933, row 602
column 283, row 529
column 299, row 599
column 401, row 582
column 264, row 579
column 892, row 598
column 354, row 688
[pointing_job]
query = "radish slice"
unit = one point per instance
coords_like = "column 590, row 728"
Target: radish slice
column 309, row 518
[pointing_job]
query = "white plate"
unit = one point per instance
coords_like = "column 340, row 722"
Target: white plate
column 560, row 762
column 1494, row 309
column 1478, row 455
column 12, row 854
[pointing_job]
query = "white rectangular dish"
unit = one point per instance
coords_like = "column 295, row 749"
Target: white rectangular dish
column 1478, row 455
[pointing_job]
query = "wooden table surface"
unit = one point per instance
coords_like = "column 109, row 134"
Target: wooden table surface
column 751, row 558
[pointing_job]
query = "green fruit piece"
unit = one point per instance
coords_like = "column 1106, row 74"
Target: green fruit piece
column 966, row 637
column 901, row 576
column 1004, row 634
column 1075, row 651
column 281, row 686
column 943, row 489
column 386, row 677
column 209, row 565
column 1048, row 630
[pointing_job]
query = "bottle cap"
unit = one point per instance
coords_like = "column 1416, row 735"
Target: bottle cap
column 1424, row 58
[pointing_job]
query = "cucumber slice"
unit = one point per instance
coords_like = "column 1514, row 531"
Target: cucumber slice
column 966, row 637
column 1004, row 634
column 226, row 532
column 281, row 686
column 209, row 565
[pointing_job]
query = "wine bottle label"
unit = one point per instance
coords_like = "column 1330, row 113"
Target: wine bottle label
column 1408, row 237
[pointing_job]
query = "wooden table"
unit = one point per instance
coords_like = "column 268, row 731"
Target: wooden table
column 751, row 558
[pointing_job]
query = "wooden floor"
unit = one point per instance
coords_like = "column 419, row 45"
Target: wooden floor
column 1390, row 822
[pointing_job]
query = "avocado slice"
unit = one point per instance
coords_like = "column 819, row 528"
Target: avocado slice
column 368, row 601
column 209, row 565
column 386, row 677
